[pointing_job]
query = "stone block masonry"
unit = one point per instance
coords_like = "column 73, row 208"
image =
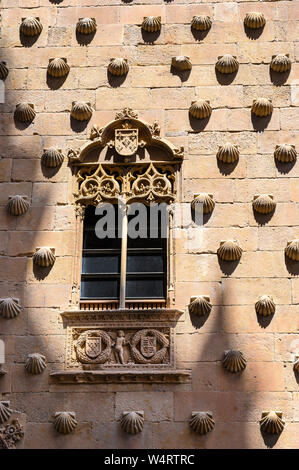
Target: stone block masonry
column 157, row 91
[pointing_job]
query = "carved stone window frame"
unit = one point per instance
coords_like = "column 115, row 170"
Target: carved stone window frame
column 129, row 181
column 121, row 343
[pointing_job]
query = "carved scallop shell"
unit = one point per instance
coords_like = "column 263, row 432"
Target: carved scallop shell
column 118, row 66
column 202, row 422
column 65, row 421
column 234, row 361
column 272, row 422
column 9, row 308
column 229, row 250
column 17, row 205
column 81, row 111
column 200, row 109
column 296, row 364
column 5, row 411
column 3, row 70
column 265, row 305
column 263, row 203
column 86, row 25
column 52, row 157
column 262, row 107
column 255, row 20
column 24, row 112
column 44, row 257
column 206, row 200
column 132, row 421
column 58, row 67
column 227, row 64
column 151, row 24
column 285, row 153
column 181, row 62
column 281, row 63
column 228, row 153
column 200, row 305
column 201, row 22
column 292, row 249
column 31, row 26
column 35, row 363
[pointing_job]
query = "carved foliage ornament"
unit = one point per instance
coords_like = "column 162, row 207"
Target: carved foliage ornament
column 10, row 434
column 97, row 184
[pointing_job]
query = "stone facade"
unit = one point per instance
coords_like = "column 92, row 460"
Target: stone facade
column 158, row 92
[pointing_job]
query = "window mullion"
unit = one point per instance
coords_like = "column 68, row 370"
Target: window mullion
column 123, row 260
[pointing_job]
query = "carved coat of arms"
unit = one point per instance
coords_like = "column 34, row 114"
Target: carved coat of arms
column 93, row 346
column 148, row 346
column 126, row 141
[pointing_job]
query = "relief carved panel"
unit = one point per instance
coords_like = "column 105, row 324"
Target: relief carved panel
column 107, row 346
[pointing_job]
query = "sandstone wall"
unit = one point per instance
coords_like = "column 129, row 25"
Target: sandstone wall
column 156, row 92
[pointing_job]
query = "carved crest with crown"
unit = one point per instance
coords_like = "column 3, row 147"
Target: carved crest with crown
column 127, row 158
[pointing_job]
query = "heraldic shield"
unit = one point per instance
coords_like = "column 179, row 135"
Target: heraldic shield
column 148, row 346
column 93, row 347
column 126, row 141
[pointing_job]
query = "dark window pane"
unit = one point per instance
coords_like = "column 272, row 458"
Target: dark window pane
column 145, row 288
column 145, row 263
column 100, row 289
column 101, row 263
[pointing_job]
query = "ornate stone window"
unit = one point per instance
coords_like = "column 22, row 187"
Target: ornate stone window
column 128, row 334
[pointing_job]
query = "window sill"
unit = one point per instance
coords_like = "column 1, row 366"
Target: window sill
column 121, row 376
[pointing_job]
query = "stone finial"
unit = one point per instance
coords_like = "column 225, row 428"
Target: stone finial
column 9, row 308
column 151, row 24
column 285, row 153
column 35, row 363
column 229, row 250
column 200, row 109
column 255, row 20
column 200, row 305
column 228, row 153
column 132, row 421
column 44, row 257
column 81, row 111
column 17, row 205
column 86, row 25
column 227, row 64
column 31, row 26
column 3, row 70
column 265, row 305
column 118, row 66
column 271, row 422
column 201, row 23
column 5, row 411
column 58, row 67
column 181, row 62
column 263, row 203
column 24, row 112
column 52, row 157
column 292, row 249
column 207, row 201
column 65, row 421
column 281, row 63
column 262, row 107
column 234, row 361
column 201, row 422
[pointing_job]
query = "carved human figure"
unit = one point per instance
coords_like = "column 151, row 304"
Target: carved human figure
column 119, row 344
